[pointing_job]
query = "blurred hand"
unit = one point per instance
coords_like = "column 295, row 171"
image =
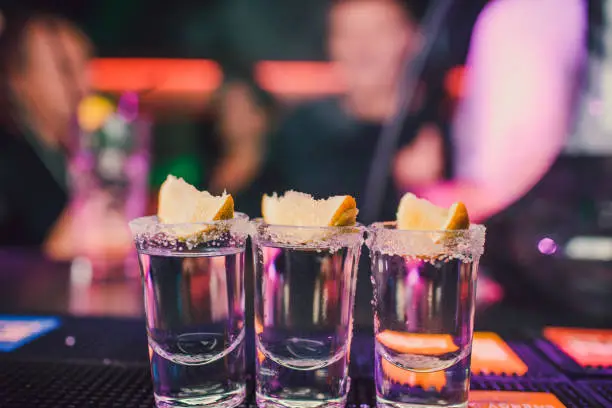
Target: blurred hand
column 421, row 162
column 237, row 170
column 90, row 228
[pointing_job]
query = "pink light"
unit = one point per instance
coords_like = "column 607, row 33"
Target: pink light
column 413, row 267
column 547, row 246
column 596, row 108
column 413, row 276
column 272, row 273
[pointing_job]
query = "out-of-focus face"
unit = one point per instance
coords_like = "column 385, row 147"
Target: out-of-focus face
column 55, row 76
column 241, row 116
column 368, row 41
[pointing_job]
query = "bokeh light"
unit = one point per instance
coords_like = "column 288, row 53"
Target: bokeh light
column 547, row 246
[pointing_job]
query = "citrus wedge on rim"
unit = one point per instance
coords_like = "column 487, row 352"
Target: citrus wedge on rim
column 419, row 214
column 300, row 209
column 182, row 203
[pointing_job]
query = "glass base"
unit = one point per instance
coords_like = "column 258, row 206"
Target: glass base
column 264, row 401
column 229, row 400
column 382, row 403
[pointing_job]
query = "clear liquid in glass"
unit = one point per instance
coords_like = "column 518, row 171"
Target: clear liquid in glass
column 424, row 313
column 303, row 323
column 195, row 324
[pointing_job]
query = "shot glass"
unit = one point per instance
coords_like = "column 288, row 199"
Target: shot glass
column 192, row 276
column 304, row 295
column 424, row 295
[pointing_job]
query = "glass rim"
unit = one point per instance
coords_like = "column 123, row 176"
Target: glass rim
column 382, row 226
column 151, row 221
column 260, row 222
column 384, row 237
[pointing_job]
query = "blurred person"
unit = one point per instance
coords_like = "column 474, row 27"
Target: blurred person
column 224, row 149
column 325, row 147
column 535, row 96
column 245, row 119
column 521, row 85
column 246, row 123
column 43, row 76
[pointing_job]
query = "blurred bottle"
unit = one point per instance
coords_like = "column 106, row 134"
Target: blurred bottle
column 108, row 179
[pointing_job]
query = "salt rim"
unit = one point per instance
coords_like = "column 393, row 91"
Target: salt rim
column 467, row 244
column 327, row 238
column 150, row 234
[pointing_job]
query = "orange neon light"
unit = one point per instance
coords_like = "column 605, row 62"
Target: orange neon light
column 588, row 347
column 293, row 78
column 435, row 379
column 492, row 355
column 511, row 399
column 298, row 78
column 454, row 81
column 417, row 343
column 166, row 75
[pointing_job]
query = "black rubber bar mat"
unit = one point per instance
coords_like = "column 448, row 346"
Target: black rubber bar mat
column 96, row 339
column 568, row 364
column 47, row 385
column 537, row 367
column 124, row 340
column 79, row 385
column 362, row 356
column 600, row 390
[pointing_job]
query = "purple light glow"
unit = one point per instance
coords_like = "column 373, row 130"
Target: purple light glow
column 547, row 246
column 128, row 106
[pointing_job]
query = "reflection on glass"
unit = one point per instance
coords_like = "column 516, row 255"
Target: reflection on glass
column 304, row 296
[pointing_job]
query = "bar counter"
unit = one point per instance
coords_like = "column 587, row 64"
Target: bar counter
column 90, row 346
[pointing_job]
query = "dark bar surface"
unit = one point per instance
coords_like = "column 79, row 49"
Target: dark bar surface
column 97, row 357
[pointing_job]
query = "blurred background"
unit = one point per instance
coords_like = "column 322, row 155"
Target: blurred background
column 490, row 102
